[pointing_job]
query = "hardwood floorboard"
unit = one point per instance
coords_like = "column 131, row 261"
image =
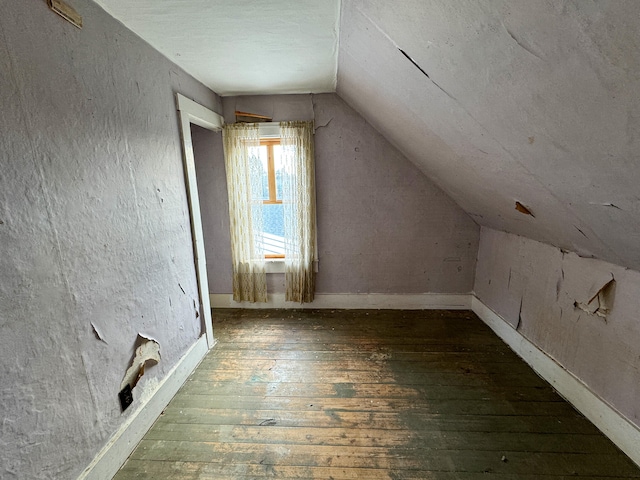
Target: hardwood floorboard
column 388, row 421
column 369, row 390
column 211, row 471
column 365, row 437
column 333, row 394
column 347, row 405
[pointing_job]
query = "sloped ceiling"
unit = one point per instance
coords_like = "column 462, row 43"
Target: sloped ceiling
column 505, row 101
column 242, row 46
column 496, row 101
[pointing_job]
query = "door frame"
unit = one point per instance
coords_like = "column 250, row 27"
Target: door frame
column 192, row 112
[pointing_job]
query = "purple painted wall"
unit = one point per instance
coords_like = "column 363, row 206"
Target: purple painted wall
column 534, row 286
column 383, row 227
column 94, row 231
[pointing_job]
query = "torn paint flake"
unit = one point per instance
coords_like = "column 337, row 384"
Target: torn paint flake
column 601, row 302
column 607, row 204
column 520, row 314
column 522, row 209
column 97, row 333
column 522, row 44
column 147, row 353
column 583, row 234
column 322, row 126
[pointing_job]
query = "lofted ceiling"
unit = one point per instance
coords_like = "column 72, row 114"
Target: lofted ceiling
column 496, row 101
column 505, row 101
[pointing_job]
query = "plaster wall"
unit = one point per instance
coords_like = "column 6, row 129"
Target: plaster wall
column 383, row 227
column 534, row 287
column 94, row 231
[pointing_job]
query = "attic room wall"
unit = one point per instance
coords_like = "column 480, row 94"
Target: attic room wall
column 94, row 231
column 534, row 287
column 383, row 227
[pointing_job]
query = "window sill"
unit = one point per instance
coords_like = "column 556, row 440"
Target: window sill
column 276, row 265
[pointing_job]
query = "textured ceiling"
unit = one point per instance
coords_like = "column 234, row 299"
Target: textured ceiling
column 505, row 101
column 242, row 46
column 496, row 101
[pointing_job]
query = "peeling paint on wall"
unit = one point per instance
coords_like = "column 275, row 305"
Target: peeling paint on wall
column 97, row 333
column 522, row 209
column 565, row 306
column 89, row 254
column 601, row 302
column 147, row 353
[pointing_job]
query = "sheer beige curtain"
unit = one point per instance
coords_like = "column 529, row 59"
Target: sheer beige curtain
column 241, row 144
column 299, row 203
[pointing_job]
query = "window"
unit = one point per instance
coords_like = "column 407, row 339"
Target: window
column 271, row 188
column 272, row 176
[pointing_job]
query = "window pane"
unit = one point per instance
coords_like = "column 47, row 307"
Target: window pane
column 279, row 167
column 259, row 160
column 273, row 234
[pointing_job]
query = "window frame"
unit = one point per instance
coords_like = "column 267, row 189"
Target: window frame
column 270, row 142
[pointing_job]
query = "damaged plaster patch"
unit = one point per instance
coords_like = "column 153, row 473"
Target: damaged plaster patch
column 601, row 302
column 148, row 351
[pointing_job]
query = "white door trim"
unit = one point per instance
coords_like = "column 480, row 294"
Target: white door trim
column 192, row 112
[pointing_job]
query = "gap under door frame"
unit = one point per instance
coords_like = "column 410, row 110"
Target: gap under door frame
column 192, row 112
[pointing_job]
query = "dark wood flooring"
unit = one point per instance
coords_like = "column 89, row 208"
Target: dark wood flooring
column 371, row 395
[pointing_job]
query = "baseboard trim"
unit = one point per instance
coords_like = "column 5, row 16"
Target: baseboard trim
column 422, row 301
column 113, row 455
column 613, row 424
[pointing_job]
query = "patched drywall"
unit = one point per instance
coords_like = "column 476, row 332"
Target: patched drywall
column 540, row 290
column 501, row 101
column 94, row 231
column 383, row 227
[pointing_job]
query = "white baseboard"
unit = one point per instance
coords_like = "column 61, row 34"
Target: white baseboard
column 613, row 424
column 421, row 301
column 113, row 455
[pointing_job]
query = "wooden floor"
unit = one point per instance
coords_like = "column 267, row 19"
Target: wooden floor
column 371, row 395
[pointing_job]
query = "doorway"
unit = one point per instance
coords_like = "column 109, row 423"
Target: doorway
column 194, row 113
